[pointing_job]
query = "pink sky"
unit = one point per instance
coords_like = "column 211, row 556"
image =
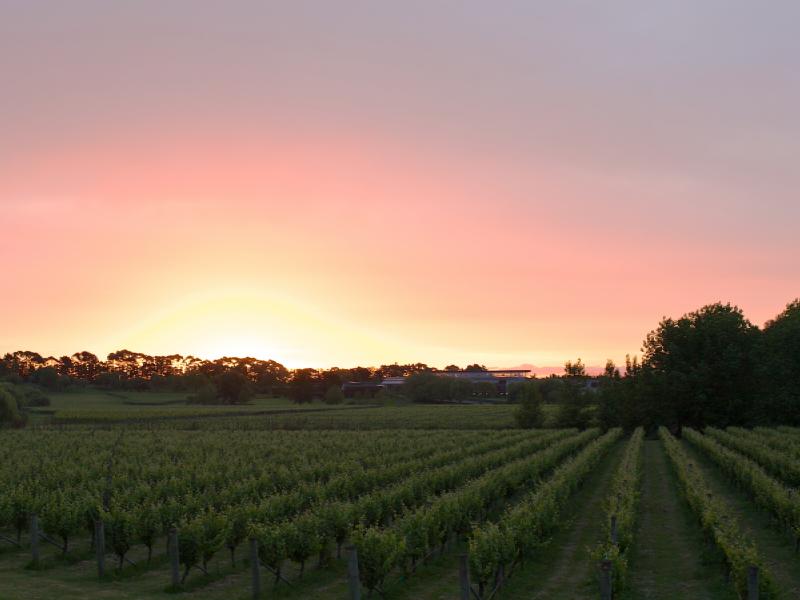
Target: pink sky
column 222, row 185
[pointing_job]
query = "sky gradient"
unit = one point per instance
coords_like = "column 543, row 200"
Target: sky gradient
column 357, row 183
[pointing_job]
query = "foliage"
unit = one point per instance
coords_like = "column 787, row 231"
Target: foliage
column 9, row 411
column 63, row 516
column 233, row 387
column 205, row 395
column 718, row 523
column 334, row 395
column 701, row 368
column 427, row 387
column 621, row 505
column 199, row 538
column 525, row 526
column 767, row 491
column 120, row 529
column 301, row 386
column 529, row 414
column 779, row 368
column 575, row 406
column 378, row 552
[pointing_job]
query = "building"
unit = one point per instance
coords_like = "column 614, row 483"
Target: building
column 393, row 384
column 500, row 378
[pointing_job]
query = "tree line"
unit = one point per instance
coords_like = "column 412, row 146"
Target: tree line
column 227, row 380
column 711, row 366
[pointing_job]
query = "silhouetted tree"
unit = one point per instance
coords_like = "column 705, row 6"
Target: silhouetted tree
column 573, row 410
column 302, row 385
column 575, row 369
column 233, row 387
column 700, row 368
column 427, row 387
column 529, row 414
column 334, row 395
column 48, row 378
column 779, row 368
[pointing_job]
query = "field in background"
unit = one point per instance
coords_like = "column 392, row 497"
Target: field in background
column 170, row 410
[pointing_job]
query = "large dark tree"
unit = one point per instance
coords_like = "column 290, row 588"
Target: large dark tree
column 233, row 387
column 700, row 369
column 302, row 385
column 779, row 367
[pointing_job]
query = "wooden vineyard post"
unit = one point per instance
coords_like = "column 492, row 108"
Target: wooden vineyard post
column 463, row 576
column 34, row 530
column 605, row 580
column 100, row 547
column 256, row 568
column 352, row 573
column 614, row 539
column 174, row 558
column 752, row 583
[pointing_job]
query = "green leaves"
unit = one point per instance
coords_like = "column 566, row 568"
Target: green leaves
column 200, row 538
column 527, row 525
column 718, row 523
column 378, row 553
column 63, row 515
column 490, row 547
column 272, row 540
column 767, row 491
column 120, row 528
column 621, row 504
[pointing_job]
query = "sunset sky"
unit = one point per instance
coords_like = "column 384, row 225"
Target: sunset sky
column 342, row 183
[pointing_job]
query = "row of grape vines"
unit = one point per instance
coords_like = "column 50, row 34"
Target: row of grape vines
column 778, row 440
column 218, row 491
column 418, row 532
column 778, row 463
column 495, row 549
column 783, row 502
column 621, row 511
column 718, row 523
column 74, row 473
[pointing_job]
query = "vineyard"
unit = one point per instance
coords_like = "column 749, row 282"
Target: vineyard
column 389, row 506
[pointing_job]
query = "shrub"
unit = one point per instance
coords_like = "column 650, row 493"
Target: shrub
column 334, row 395
column 33, row 397
column 529, row 413
column 205, row 395
column 9, row 410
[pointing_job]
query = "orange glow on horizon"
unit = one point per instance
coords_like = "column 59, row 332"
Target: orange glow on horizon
column 338, row 251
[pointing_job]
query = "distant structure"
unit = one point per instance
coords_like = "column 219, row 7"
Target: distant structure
column 393, row 384
column 501, row 378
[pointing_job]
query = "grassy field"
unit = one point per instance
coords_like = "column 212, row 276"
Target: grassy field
column 97, row 406
column 170, row 410
column 671, row 555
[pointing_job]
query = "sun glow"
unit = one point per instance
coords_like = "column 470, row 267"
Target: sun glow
column 253, row 324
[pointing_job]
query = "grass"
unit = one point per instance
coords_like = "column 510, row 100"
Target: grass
column 114, row 406
column 132, row 401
